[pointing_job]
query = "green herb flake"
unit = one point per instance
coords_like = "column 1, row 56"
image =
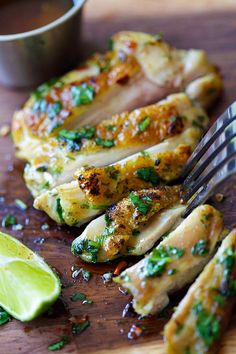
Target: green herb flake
column 207, row 325
column 220, row 299
column 144, row 124
column 197, row 124
column 140, row 204
column 145, row 153
column 148, row 174
column 59, row 345
column 179, row 328
column 200, row 248
column 110, row 44
column 111, row 127
column 80, row 327
column 43, row 89
column 81, row 297
column 20, row 204
column 107, row 277
column 54, row 109
column 42, row 168
column 106, row 143
column 4, row 316
column 82, row 94
column 158, row 36
column 40, row 106
column 112, row 172
column 159, row 258
column 86, row 247
column 9, row 220
column 59, row 209
column 135, row 233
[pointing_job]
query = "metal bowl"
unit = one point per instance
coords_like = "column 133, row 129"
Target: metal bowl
column 29, row 58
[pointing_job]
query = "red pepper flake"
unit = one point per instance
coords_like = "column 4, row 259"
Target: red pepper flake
column 121, row 266
column 135, row 332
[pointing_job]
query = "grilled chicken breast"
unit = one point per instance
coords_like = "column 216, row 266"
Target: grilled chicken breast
column 55, row 160
column 131, row 226
column 174, row 262
column 203, row 314
column 137, row 70
column 69, row 204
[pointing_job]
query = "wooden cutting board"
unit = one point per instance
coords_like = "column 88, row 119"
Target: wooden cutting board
column 214, row 32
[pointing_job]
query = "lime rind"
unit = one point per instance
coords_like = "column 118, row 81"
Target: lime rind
column 28, row 286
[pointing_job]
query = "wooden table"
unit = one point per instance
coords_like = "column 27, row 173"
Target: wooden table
column 210, row 25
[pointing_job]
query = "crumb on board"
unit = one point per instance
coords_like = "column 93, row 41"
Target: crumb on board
column 5, row 130
column 219, row 197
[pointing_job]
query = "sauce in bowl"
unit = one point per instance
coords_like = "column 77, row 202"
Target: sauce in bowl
column 17, row 16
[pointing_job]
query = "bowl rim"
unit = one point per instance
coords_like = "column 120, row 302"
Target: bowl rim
column 66, row 16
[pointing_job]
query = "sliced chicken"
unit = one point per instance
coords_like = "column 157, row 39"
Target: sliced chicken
column 55, row 160
column 77, row 205
column 130, row 227
column 139, row 69
column 174, row 262
column 202, row 316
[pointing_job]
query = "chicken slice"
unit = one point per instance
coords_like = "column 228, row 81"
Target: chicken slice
column 139, row 69
column 174, row 262
column 130, row 227
column 55, row 160
column 69, row 204
column 202, row 316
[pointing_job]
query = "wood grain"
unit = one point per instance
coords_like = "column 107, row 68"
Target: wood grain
column 212, row 31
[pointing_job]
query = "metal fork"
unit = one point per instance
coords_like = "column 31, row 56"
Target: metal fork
column 213, row 160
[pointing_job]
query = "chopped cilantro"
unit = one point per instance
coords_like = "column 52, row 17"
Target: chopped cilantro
column 110, row 44
column 200, row 248
column 40, row 106
column 9, row 220
column 135, row 232
column 59, row 209
column 59, row 345
column 148, row 174
column 73, row 137
column 220, row 299
column 88, row 247
column 111, row 127
column 82, row 94
column 43, row 89
column 179, row 328
column 54, row 109
column 81, row 297
column 145, row 153
column 80, row 327
column 20, row 204
column 113, row 172
column 4, row 316
column 207, row 325
column 159, row 258
column 142, row 204
column 143, row 124
column 42, row 168
column 197, row 124
column 106, row 143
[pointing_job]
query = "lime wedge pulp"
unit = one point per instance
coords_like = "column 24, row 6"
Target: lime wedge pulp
column 28, row 286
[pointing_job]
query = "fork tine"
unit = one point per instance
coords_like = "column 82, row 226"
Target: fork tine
column 208, row 188
column 208, row 157
column 213, row 168
column 216, row 129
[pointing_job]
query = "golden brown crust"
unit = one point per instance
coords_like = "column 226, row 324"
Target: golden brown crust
column 104, row 185
column 132, row 213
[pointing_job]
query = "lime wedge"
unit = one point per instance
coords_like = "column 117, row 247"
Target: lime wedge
column 28, row 286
